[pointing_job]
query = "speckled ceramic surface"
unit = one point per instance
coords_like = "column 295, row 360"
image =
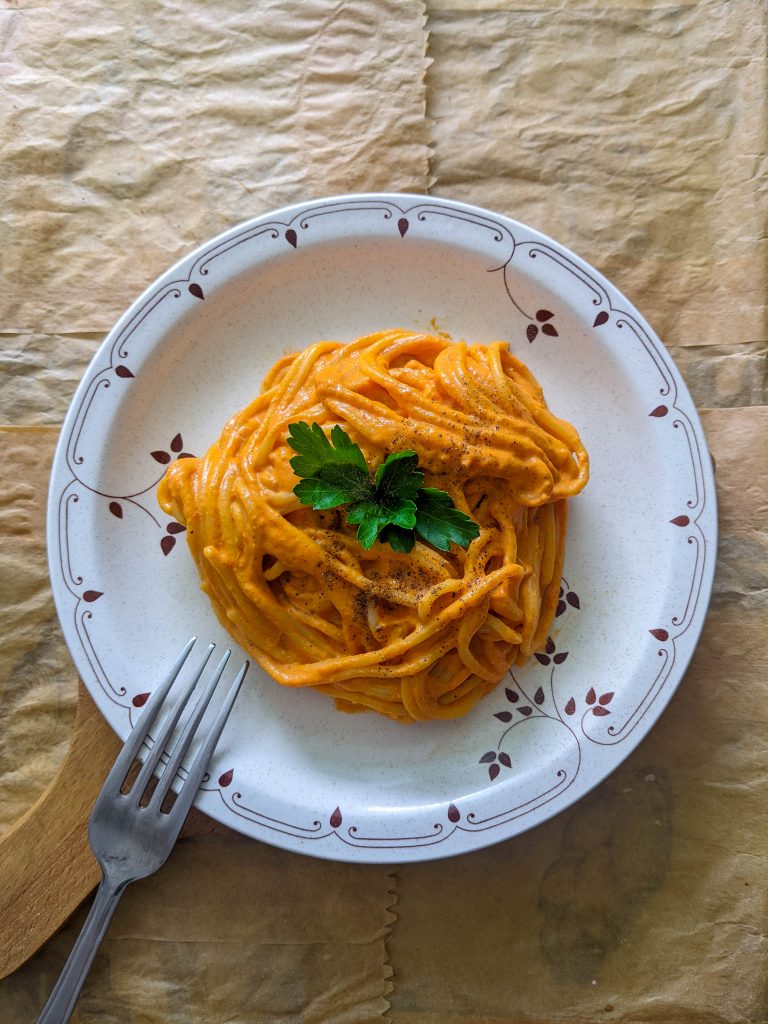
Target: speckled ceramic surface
column 290, row 770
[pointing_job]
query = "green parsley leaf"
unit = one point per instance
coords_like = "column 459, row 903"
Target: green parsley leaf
column 398, row 538
column 439, row 522
column 333, row 474
column 315, row 451
column 393, row 507
column 324, row 491
column 398, row 478
column 361, row 511
column 397, row 483
column 372, row 517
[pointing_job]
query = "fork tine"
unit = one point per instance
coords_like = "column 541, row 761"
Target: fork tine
column 150, row 763
column 191, row 784
column 137, row 736
column 184, row 740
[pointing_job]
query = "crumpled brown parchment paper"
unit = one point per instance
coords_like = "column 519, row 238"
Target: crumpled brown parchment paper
column 229, row 930
column 635, row 133
column 131, row 134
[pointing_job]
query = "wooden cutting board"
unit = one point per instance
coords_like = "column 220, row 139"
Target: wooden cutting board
column 46, row 865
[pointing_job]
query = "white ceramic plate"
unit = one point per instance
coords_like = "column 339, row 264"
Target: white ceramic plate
column 193, row 349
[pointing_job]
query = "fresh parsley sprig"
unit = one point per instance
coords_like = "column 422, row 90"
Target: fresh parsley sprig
column 393, row 506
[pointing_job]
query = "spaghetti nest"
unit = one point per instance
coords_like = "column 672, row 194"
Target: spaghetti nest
column 413, row 636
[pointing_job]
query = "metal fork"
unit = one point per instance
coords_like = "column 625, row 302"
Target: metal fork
column 130, row 836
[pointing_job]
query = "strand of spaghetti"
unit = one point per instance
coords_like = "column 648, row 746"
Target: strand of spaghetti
column 315, row 622
column 547, row 525
column 456, row 380
column 511, row 636
column 469, row 625
column 454, row 673
column 435, row 451
column 345, row 666
column 427, row 602
column 450, row 419
column 295, row 376
column 552, row 595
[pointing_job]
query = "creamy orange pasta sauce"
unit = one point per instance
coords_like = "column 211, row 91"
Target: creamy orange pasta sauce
column 413, row 636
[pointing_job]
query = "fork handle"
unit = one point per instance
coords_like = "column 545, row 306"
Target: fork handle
column 62, row 999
